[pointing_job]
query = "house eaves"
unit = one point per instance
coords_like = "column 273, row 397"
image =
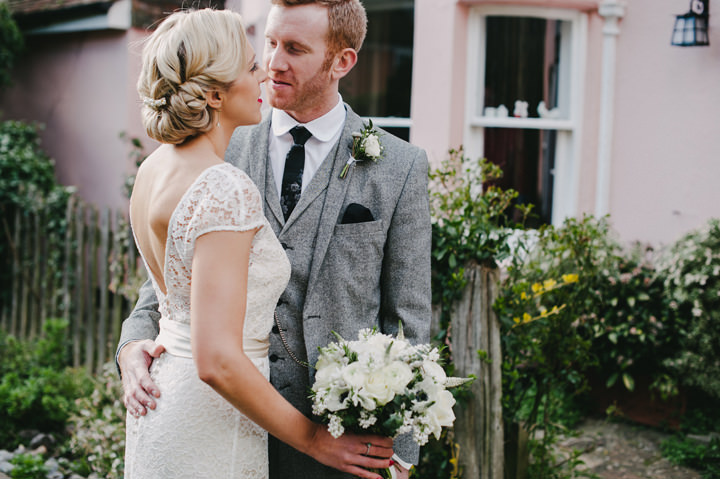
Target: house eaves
column 38, row 17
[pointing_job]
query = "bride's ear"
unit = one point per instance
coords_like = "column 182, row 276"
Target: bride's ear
column 215, row 99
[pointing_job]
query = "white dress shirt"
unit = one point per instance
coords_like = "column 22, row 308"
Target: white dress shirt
column 325, row 132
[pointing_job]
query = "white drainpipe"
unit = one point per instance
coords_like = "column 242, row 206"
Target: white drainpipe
column 612, row 11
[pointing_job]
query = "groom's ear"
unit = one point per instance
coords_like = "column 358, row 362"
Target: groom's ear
column 343, row 62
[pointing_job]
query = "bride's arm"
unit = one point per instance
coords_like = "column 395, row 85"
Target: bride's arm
column 218, row 302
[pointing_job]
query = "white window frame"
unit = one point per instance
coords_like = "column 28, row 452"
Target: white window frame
column 570, row 99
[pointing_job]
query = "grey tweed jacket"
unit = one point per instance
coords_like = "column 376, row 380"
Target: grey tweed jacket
column 345, row 276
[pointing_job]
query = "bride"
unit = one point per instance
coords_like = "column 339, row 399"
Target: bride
column 217, row 269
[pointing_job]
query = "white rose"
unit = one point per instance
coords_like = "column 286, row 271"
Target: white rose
column 371, row 145
column 400, row 375
column 435, row 371
column 355, row 375
column 441, row 414
column 383, row 384
column 327, row 376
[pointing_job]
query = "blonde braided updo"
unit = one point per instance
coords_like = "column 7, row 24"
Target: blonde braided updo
column 189, row 55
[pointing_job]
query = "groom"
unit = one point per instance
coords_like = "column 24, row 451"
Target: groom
column 359, row 245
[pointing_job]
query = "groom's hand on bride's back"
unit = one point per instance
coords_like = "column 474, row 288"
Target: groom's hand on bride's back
column 139, row 391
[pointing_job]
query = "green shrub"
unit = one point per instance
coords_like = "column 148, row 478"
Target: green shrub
column 684, row 451
column 11, row 43
column 98, row 425
column 691, row 273
column 631, row 331
column 28, row 466
column 37, row 389
column 471, row 222
column 543, row 306
column 27, row 185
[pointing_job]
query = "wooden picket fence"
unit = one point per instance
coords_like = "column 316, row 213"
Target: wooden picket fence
column 89, row 277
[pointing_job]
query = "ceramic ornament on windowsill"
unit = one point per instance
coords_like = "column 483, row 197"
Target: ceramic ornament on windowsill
column 545, row 113
column 521, row 109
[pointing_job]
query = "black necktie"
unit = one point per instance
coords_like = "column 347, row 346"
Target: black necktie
column 294, row 166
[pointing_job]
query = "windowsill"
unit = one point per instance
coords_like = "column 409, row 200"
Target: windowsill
column 528, row 123
column 580, row 5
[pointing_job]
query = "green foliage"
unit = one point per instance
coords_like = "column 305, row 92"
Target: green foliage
column 98, row 425
column 684, row 451
column 137, row 154
column 37, row 389
column 543, row 306
column 28, row 185
column 28, row 466
column 631, row 331
column 691, row 272
column 27, row 174
column 11, row 43
column 470, row 223
column 439, row 458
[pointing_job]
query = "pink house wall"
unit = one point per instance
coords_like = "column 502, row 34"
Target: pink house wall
column 666, row 155
column 76, row 85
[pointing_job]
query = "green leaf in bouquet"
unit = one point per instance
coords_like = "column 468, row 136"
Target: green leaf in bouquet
column 393, row 423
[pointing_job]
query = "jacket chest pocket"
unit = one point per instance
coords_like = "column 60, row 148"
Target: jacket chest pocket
column 357, row 242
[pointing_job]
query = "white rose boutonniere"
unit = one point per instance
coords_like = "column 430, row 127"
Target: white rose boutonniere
column 366, row 146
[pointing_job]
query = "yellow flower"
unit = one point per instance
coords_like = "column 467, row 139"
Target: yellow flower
column 549, row 284
column 523, row 295
column 570, row 278
column 526, row 318
column 516, row 320
column 536, row 288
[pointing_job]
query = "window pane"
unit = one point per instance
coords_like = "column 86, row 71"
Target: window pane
column 523, row 63
column 527, row 159
column 379, row 85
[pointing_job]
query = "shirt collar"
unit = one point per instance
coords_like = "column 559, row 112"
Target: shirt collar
column 323, row 128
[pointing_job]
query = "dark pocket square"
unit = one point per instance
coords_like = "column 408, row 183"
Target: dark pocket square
column 356, row 213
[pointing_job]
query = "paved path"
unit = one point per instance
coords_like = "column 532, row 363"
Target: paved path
column 622, row 451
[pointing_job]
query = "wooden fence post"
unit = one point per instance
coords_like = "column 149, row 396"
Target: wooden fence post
column 103, row 288
column 479, row 424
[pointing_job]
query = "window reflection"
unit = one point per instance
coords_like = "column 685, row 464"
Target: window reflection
column 380, row 84
column 522, row 63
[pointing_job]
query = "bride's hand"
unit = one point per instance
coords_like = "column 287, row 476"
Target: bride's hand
column 139, row 390
column 352, row 453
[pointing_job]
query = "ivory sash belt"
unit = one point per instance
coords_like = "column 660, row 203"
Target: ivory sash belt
column 175, row 336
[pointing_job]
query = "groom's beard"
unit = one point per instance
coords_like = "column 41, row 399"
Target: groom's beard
column 303, row 95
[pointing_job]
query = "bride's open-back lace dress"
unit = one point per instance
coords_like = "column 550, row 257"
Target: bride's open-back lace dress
column 195, row 433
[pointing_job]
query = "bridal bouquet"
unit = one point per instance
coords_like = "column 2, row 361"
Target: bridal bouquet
column 383, row 385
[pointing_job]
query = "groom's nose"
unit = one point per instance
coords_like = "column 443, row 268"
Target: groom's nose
column 275, row 59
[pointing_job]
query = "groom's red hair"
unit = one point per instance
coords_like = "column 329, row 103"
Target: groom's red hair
column 347, row 20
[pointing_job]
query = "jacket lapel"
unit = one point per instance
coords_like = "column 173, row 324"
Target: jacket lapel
column 272, row 200
column 334, row 200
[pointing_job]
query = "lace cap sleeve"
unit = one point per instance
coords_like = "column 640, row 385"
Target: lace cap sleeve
column 222, row 199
